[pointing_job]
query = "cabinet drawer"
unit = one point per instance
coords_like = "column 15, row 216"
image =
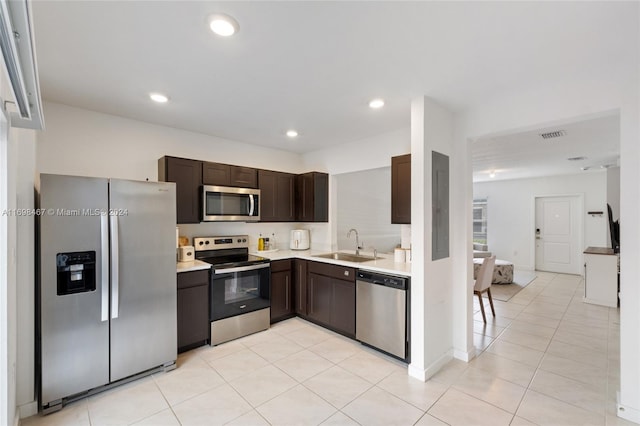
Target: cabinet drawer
column 333, row 271
column 280, row 265
column 193, row 278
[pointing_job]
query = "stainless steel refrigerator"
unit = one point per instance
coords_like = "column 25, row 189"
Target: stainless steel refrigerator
column 107, row 289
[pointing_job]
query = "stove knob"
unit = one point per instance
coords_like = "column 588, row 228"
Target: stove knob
column 244, row 240
column 239, row 240
column 200, row 243
column 207, row 242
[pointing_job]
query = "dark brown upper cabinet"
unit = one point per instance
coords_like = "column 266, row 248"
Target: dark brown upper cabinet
column 312, row 197
column 187, row 175
column 401, row 189
column 276, row 196
column 229, row 175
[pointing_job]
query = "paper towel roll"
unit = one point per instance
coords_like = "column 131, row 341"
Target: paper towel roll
column 399, row 255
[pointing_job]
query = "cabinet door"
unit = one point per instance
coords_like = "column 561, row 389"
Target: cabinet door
column 312, row 197
column 243, row 177
column 216, row 174
column 343, row 315
column 320, row 291
column 300, row 293
column 276, row 192
column 281, row 292
column 285, row 211
column 401, row 189
column 187, row 175
column 193, row 309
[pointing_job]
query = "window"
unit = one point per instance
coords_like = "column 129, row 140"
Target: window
column 480, row 220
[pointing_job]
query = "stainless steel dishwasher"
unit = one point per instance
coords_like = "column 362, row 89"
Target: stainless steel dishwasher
column 382, row 312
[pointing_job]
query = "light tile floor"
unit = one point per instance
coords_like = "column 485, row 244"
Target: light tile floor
column 547, row 358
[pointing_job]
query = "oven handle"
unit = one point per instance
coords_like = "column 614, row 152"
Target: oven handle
column 241, row 269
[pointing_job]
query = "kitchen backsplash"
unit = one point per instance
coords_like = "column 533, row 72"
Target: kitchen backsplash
column 320, row 235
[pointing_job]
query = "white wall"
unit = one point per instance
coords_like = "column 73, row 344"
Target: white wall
column 87, row 143
column 510, row 218
column 364, row 154
column 364, row 200
column 613, row 191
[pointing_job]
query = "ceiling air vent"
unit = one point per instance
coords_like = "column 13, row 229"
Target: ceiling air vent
column 554, row 134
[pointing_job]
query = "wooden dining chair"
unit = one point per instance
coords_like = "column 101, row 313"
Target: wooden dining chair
column 483, row 283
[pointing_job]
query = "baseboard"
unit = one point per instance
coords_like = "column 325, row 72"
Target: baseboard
column 465, row 356
column 29, row 409
column 628, row 413
column 524, row 268
column 432, row 369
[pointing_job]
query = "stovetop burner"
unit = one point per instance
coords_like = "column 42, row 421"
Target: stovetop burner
column 227, row 251
column 233, row 260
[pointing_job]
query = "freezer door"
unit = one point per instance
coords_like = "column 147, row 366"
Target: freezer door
column 144, row 287
column 74, row 325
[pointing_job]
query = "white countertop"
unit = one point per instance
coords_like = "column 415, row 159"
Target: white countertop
column 193, row 265
column 384, row 265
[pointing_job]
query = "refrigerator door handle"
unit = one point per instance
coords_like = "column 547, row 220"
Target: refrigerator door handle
column 115, row 285
column 104, row 268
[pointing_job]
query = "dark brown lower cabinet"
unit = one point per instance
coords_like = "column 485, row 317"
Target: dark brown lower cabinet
column 300, row 287
column 193, row 309
column 281, row 290
column 320, row 292
column 331, row 291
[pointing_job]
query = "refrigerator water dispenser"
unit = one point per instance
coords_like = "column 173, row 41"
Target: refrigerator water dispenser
column 76, row 272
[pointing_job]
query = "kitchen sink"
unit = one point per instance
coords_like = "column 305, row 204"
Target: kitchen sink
column 347, row 257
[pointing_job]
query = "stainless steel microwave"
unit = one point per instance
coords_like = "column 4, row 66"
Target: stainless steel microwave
column 222, row 203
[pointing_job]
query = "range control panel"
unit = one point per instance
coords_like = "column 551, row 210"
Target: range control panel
column 219, row 243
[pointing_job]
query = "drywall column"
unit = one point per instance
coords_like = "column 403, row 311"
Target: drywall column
column 462, row 249
column 25, row 145
column 431, row 295
column 629, row 398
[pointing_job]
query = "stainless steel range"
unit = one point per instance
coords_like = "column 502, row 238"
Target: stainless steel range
column 240, row 286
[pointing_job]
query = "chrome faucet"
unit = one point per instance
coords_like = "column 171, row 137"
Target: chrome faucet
column 357, row 240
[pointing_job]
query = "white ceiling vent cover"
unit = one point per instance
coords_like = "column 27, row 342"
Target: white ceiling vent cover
column 554, row 134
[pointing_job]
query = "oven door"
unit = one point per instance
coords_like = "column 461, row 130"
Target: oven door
column 230, row 204
column 238, row 290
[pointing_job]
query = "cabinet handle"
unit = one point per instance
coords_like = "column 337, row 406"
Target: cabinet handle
column 300, row 287
column 310, row 307
column 286, row 292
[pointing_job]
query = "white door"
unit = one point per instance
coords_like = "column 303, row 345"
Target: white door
column 558, row 234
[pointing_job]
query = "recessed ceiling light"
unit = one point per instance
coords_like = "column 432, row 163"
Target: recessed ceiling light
column 223, row 25
column 492, row 174
column 376, row 103
column 292, row 133
column 576, row 158
column 158, row 97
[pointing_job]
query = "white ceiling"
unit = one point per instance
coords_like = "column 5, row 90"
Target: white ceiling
column 313, row 66
column 526, row 154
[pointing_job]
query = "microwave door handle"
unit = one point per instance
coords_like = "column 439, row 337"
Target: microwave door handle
column 251, row 204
